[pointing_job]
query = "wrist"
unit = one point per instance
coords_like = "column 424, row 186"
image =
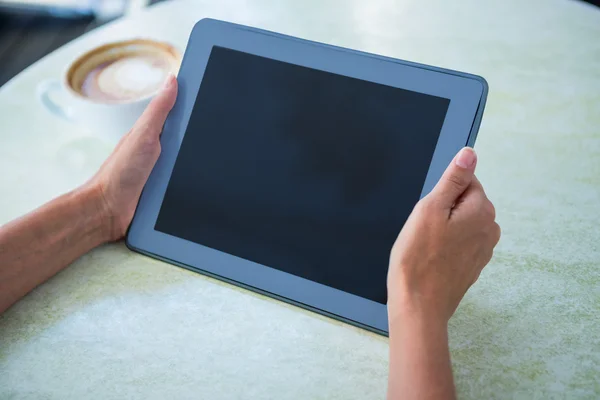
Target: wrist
column 96, row 214
column 409, row 310
column 419, row 354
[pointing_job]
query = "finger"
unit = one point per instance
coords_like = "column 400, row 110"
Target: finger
column 121, row 142
column 470, row 203
column 489, row 210
column 456, row 179
column 492, row 239
column 474, row 188
column 476, row 183
column 152, row 120
column 485, row 259
column 496, row 234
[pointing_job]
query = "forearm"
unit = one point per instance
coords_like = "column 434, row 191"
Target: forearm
column 419, row 358
column 36, row 246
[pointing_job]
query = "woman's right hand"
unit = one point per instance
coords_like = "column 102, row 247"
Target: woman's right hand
column 444, row 245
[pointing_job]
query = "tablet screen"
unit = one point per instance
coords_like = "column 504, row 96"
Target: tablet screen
column 301, row 170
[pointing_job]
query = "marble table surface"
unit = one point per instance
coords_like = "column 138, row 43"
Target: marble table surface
column 119, row 325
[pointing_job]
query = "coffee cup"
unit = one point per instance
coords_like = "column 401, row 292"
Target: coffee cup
column 108, row 87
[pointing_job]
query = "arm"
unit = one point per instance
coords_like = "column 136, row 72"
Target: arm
column 446, row 242
column 35, row 247
column 419, row 358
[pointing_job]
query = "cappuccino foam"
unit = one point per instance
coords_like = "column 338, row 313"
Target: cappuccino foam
column 124, row 71
column 127, row 78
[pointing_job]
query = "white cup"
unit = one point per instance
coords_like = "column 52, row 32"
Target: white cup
column 109, row 118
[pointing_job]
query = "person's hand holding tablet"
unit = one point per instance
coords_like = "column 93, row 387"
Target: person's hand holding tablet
column 446, row 242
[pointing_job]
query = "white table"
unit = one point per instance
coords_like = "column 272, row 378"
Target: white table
column 119, row 325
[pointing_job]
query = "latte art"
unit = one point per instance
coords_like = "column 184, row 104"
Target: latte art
column 125, row 79
column 123, row 72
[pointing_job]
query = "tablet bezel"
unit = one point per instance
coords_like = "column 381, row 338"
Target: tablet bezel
column 467, row 94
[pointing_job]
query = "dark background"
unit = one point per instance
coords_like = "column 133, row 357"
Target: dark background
column 27, row 36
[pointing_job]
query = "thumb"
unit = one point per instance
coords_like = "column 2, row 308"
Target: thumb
column 152, row 120
column 457, row 178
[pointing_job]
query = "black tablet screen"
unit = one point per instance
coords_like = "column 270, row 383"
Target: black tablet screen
column 301, row 170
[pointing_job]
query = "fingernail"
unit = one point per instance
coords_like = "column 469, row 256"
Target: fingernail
column 466, row 158
column 169, row 81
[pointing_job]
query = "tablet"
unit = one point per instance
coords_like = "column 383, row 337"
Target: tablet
column 289, row 167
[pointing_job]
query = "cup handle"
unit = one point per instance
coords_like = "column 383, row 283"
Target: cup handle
column 44, row 91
